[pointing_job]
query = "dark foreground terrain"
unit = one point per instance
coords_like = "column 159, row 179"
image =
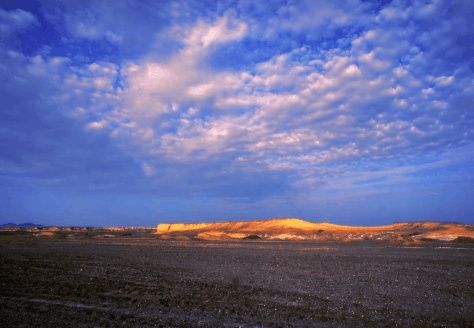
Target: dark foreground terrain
column 142, row 281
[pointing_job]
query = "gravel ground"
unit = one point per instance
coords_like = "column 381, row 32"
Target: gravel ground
column 143, row 281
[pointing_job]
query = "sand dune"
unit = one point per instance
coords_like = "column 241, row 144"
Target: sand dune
column 297, row 229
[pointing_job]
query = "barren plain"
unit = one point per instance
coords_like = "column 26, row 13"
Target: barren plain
column 104, row 278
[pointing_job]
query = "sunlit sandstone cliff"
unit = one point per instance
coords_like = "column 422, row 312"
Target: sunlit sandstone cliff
column 296, row 229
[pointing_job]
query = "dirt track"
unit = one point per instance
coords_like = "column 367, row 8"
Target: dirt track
column 128, row 281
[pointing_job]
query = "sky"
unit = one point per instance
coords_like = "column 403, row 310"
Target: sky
column 140, row 112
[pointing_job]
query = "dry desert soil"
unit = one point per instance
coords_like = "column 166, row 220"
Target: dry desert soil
column 138, row 280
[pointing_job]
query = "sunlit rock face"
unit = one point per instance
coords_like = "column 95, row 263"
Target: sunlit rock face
column 297, row 229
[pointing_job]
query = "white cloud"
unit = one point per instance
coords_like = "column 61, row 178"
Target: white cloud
column 204, row 35
column 444, row 80
column 97, row 125
column 148, row 170
column 293, row 111
column 155, row 89
column 90, row 27
column 316, row 16
column 15, row 20
column 334, row 115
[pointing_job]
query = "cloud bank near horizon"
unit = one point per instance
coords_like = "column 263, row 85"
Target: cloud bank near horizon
column 135, row 113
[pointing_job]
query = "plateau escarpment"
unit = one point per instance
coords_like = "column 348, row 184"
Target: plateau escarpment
column 297, row 229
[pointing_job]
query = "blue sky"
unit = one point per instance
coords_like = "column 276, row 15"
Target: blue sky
column 139, row 112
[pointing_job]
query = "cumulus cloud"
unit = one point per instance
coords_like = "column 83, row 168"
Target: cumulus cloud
column 15, row 20
column 156, row 93
column 43, row 139
column 312, row 94
column 295, row 110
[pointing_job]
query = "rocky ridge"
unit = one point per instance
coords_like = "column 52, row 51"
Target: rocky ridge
column 297, row 229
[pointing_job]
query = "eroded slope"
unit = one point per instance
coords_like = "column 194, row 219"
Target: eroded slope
column 297, row 229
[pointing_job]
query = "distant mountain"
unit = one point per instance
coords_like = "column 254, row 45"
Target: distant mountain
column 296, row 229
column 20, row 225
